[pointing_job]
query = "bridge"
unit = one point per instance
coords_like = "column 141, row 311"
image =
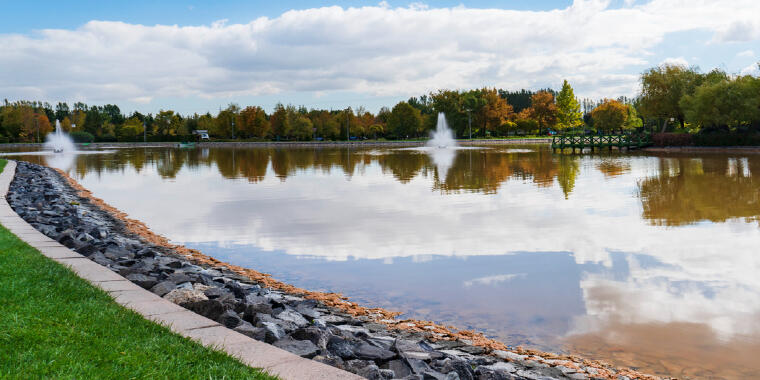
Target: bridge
column 599, row 142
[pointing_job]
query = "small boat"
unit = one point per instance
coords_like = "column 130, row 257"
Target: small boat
column 187, row 145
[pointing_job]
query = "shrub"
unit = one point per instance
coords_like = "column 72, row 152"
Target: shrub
column 107, row 138
column 727, row 139
column 82, row 137
column 672, row 139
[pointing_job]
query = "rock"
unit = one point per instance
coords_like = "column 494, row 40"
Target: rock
column 273, row 332
column 115, row 253
column 462, row 369
column 246, row 328
column 473, row 350
column 341, row 347
column 399, row 367
column 229, row 319
column 211, row 309
column 163, row 287
column 307, row 311
column 313, row 334
column 252, row 309
column 186, row 297
column 417, row 366
column 370, row 352
column 302, row 348
column 330, row 360
column 502, row 367
column 179, row 277
column 483, row 373
column 293, row 317
column 142, row 280
column 333, row 319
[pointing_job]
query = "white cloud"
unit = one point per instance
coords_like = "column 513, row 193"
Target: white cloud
column 746, row 54
column 375, row 50
column 753, row 69
column 493, row 280
column 681, row 61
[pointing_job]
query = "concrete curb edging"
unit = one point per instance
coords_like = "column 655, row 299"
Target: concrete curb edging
column 184, row 322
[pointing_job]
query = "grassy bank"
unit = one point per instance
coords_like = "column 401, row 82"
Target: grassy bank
column 56, row 325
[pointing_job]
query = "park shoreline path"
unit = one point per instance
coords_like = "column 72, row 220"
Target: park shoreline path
column 184, row 322
column 371, row 342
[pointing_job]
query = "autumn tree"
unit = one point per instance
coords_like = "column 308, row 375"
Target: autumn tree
column 543, row 109
column 610, row 115
column 302, row 128
column 252, row 122
column 495, row 112
column 569, row 114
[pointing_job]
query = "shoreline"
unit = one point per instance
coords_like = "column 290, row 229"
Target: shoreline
column 486, row 350
column 702, row 149
column 306, row 144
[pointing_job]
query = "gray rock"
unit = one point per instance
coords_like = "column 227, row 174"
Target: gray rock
column 341, row 347
column 273, row 332
column 313, row 334
column 307, row 311
column 399, row 367
column 247, row 329
column 293, row 317
column 142, row 280
column 179, row 277
column 162, row 288
column 302, row 348
column 211, row 309
column 229, row 319
column 370, row 352
column 462, row 369
column 186, row 296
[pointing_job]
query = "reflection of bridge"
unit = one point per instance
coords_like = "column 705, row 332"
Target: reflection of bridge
column 599, row 142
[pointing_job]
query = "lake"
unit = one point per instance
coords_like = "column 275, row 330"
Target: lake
column 642, row 260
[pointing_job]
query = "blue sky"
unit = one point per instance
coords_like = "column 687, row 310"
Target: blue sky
column 199, row 56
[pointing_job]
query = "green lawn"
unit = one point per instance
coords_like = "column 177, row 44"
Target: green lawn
column 55, row 325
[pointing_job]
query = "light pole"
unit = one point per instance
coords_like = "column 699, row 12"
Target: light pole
column 348, row 137
column 145, row 135
column 469, row 122
column 233, row 127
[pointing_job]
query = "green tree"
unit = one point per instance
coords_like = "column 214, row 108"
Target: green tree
column 404, row 120
column 569, row 114
column 663, row 87
column 728, row 103
column 280, row 122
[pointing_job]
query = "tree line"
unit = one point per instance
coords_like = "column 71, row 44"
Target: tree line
column 673, row 97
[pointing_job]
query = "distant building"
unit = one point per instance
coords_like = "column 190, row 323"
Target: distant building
column 201, row 133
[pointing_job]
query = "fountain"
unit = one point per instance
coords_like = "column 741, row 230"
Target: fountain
column 442, row 137
column 59, row 141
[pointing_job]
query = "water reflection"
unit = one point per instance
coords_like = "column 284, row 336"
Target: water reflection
column 641, row 260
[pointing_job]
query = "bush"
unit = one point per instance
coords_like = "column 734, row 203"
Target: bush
column 82, row 137
column 672, row 139
column 727, row 139
column 107, row 138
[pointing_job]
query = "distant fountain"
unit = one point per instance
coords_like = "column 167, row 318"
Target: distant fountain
column 442, row 137
column 59, row 141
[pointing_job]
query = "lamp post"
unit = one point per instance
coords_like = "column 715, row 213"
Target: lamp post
column 469, row 122
column 145, row 136
column 233, row 127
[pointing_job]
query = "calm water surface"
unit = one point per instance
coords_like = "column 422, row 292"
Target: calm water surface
column 648, row 261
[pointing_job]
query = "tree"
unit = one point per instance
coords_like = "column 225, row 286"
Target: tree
column 496, row 112
column 302, row 128
column 569, row 114
column 404, row 120
column 131, row 130
column 663, row 87
column 543, row 109
column 252, row 121
column 279, row 121
column 728, row 103
column 610, row 115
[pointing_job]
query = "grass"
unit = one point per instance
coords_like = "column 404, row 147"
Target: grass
column 56, row 325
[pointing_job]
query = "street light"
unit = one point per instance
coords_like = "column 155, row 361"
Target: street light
column 469, row 122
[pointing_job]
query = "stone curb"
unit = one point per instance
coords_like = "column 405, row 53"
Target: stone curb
column 184, row 322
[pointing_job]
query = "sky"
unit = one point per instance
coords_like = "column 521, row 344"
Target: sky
column 199, row 56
